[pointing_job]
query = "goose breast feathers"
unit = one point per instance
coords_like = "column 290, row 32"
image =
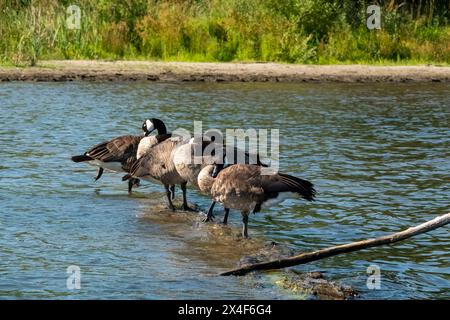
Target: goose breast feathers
column 157, row 164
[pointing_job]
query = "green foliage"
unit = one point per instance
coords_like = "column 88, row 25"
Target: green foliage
column 316, row 17
column 293, row 31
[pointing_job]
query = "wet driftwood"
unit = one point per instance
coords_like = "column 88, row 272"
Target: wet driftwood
column 340, row 249
column 294, row 284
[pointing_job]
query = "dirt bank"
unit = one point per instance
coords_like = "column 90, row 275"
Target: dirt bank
column 219, row 72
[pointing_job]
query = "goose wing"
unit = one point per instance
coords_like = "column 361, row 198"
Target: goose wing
column 118, row 149
column 286, row 183
column 240, row 182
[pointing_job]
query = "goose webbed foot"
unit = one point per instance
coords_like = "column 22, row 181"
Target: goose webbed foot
column 209, row 219
column 99, row 173
column 185, row 207
column 185, row 204
column 210, row 216
column 133, row 183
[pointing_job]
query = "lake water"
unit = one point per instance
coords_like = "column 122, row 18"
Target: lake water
column 379, row 155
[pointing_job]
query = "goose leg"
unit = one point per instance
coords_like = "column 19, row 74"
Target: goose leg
column 210, row 215
column 168, row 194
column 133, row 182
column 225, row 217
column 99, row 173
column 172, row 190
column 130, row 185
column 245, row 226
column 185, row 204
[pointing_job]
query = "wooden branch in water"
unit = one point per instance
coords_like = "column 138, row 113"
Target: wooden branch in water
column 345, row 248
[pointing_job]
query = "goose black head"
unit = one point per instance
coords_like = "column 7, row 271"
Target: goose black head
column 152, row 124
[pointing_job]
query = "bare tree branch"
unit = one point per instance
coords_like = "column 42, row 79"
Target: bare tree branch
column 345, row 248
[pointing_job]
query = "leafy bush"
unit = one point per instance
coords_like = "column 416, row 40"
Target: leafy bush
column 295, row 31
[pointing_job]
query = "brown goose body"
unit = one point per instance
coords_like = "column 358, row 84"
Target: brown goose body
column 189, row 164
column 115, row 155
column 191, row 158
column 120, row 150
column 157, row 166
column 238, row 187
column 244, row 188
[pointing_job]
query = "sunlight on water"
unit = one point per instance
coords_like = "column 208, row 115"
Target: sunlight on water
column 379, row 156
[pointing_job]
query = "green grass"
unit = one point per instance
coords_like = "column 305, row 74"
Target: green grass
column 290, row 31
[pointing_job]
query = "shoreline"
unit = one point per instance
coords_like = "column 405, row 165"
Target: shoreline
column 93, row 70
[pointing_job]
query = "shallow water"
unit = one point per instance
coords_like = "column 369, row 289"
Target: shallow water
column 379, row 156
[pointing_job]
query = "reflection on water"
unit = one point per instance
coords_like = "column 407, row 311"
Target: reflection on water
column 379, row 156
column 208, row 243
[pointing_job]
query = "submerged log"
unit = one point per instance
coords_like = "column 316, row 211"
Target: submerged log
column 312, row 284
column 340, row 249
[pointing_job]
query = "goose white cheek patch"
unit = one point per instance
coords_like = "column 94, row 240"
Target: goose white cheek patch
column 150, row 125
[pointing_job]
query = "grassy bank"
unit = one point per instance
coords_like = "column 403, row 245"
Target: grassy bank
column 293, row 31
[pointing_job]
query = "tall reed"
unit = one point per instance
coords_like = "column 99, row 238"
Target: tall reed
column 293, row 31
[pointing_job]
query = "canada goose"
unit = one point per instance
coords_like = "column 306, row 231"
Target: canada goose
column 244, row 188
column 120, row 153
column 157, row 166
column 189, row 159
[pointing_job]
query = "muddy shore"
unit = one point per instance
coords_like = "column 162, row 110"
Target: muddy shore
column 71, row 70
